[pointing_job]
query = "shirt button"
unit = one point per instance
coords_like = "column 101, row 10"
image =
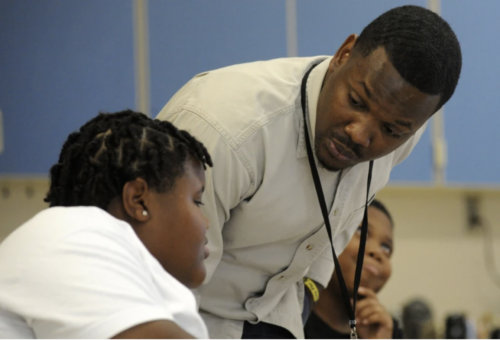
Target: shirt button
column 309, row 247
column 335, row 212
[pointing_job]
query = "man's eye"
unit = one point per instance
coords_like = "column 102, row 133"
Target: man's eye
column 198, row 203
column 355, row 102
column 390, row 132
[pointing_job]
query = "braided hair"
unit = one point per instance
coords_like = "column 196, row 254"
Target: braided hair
column 421, row 46
column 115, row 148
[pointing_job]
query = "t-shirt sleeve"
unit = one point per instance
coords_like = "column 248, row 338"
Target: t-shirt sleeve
column 90, row 284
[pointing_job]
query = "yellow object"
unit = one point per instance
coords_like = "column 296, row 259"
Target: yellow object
column 312, row 288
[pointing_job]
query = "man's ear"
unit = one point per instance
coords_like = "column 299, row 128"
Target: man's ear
column 135, row 198
column 343, row 53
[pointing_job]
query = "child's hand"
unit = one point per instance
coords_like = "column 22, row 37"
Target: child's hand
column 372, row 320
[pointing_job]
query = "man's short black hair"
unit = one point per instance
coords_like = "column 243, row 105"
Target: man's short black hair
column 421, row 46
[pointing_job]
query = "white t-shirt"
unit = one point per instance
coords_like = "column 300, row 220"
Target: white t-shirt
column 81, row 273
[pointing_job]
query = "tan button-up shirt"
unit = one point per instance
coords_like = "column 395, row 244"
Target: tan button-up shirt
column 266, row 228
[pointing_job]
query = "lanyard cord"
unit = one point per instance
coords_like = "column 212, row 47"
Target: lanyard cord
column 351, row 310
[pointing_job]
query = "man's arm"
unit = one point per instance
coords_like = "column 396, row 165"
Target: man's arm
column 227, row 182
column 316, row 280
column 321, row 270
column 312, row 291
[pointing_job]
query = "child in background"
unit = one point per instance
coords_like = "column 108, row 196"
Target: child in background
column 329, row 320
column 123, row 239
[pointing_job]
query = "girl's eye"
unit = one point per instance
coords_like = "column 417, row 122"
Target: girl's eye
column 198, row 203
column 387, row 248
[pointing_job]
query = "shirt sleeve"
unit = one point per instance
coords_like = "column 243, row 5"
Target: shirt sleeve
column 227, row 183
column 321, row 269
column 90, row 284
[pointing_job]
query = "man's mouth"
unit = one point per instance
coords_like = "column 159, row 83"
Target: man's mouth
column 340, row 152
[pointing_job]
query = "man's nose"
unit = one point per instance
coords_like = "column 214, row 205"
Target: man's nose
column 360, row 131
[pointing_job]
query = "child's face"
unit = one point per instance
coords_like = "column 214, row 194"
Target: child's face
column 176, row 235
column 377, row 262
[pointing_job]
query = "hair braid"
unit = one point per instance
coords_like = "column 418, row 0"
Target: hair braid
column 114, row 148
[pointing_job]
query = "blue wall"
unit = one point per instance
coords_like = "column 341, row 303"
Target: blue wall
column 472, row 116
column 63, row 61
column 189, row 37
column 60, row 63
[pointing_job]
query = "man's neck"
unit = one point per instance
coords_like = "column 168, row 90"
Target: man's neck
column 331, row 310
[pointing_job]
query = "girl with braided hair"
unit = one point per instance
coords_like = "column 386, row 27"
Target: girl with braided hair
column 123, row 239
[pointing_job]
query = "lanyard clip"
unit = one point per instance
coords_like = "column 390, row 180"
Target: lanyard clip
column 354, row 332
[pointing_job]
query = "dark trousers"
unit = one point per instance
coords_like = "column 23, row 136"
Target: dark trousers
column 264, row 330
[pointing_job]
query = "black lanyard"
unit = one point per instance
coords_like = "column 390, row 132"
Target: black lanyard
column 351, row 310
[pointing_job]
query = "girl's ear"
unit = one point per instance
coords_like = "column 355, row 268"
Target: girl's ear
column 135, row 199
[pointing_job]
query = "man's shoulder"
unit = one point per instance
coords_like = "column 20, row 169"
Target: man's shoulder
column 282, row 71
column 267, row 84
column 240, row 99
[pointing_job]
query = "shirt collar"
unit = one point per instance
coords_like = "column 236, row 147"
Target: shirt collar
column 313, row 89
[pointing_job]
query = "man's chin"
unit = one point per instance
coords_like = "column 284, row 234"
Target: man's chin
column 329, row 165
